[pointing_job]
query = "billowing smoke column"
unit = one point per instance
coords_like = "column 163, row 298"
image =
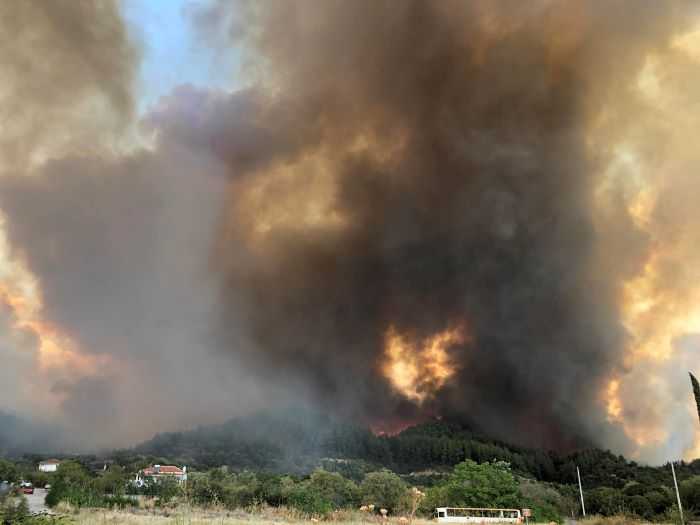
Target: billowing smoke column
column 478, row 210
column 417, row 169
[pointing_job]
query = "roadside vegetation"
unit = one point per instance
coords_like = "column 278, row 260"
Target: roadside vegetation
column 326, row 495
column 304, row 468
column 14, row 509
column 321, row 495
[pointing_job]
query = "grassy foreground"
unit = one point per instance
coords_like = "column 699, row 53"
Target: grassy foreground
column 615, row 520
column 183, row 516
column 186, row 516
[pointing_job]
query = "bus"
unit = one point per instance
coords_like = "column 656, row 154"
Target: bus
column 477, row 515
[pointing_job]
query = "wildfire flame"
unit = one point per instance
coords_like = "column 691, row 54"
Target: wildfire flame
column 417, row 372
column 654, row 317
column 20, row 293
column 660, row 301
column 641, row 432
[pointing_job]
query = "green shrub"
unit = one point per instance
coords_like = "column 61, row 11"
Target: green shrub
column 634, row 489
column 334, row 488
column 605, row 501
column 120, row 502
column 72, row 484
column 308, row 501
column 13, row 512
column 659, row 499
column 640, row 506
column 482, row 485
column 434, row 497
column 8, row 471
column 205, row 491
column 690, row 493
column 547, row 504
column 384, row 489
column 241, row 495
column 545, row 513
column 113, row 481
column 166, row 490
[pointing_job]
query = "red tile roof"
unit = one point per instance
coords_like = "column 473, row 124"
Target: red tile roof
column 163, row 469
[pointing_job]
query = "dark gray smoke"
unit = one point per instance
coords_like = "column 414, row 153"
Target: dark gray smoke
column 453, row 138
column 68, row 69
column 416, row 165
column 20, row 436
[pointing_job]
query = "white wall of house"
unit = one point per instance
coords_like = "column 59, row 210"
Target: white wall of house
column 141, row 478
column 48, row 467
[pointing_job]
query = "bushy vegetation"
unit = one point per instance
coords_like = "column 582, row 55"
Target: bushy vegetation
column 494, row 485
column 24, row 469
column 422, row 455
column 318, row 494
column 315, row 466
column 385, row 490
column 8, row 471
column 479, row 485
column 297, row 441
column 322, row 492
column 72, row 484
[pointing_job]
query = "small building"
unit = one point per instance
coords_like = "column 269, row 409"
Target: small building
column 100, row 466
column 157, row 473
column 49, row 465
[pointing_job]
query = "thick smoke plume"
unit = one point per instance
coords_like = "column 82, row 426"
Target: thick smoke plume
column 412, row 209
column 420, row 165
column 67, row 78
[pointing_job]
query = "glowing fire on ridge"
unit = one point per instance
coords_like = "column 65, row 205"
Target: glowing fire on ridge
column 417, row 372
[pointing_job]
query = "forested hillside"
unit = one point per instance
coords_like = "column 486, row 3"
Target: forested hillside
column 291, row 457
column 298, row 440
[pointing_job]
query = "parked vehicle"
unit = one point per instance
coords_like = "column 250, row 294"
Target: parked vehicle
column 477, row 515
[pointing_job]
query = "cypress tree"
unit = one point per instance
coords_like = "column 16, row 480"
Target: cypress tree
column 696, row 391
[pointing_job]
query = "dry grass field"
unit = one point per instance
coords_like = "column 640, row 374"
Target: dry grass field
column 614, row 520
column 183, row 516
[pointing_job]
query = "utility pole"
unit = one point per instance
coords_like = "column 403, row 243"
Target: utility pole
column 678, row 494
column 580, row 491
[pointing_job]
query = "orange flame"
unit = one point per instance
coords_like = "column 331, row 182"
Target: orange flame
column 55, row 349
column 613, row 402
column 20, row 292
column 641, row 432
column 418, row 372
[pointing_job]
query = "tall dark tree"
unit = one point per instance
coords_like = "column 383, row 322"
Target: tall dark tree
column 696, row 391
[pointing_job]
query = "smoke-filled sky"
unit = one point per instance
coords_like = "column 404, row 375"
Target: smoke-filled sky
column 394, row 210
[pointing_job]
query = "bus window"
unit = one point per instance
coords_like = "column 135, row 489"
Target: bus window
column 441, row 514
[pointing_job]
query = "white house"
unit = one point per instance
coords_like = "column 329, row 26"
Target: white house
column 157, row 473
column 49, row 465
